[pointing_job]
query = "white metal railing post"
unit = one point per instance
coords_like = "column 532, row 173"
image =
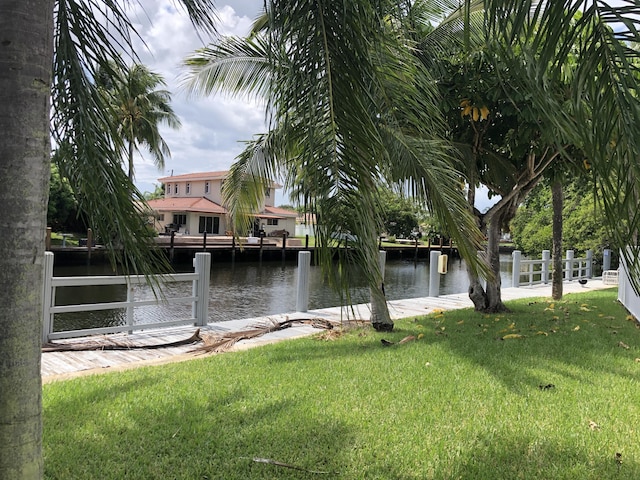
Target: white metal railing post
column 589, row 264
column 606, row 259
column 569, row 267
column 194, row 293
column 129, row 305
column 304, row 268
column 434, row 276
column 48, row 297
column 515, row 275
column 202, row 263
column 546, row 258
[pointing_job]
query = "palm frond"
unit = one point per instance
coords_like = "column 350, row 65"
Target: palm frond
column 235, row 66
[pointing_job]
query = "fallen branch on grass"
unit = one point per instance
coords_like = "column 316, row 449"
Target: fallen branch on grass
column 217, row 343
column 113, row 345
column 408, row 338
column 269, row 461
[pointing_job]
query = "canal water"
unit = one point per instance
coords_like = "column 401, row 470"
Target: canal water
column 246, row 290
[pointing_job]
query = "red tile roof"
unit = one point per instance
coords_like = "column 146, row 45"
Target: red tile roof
column 186, row 204
column 279, row 212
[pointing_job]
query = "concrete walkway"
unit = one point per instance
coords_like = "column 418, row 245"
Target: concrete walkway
column 63, row 365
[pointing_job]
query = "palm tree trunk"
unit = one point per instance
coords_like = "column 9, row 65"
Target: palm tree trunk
column 557, row 201
column 26, row 56
column 380, row 317
column 130, row 158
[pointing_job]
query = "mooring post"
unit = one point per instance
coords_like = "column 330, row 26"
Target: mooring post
column 47, row 297
column 546, row 258
column 284, row 246
column 304, row 268
column 515, row 273
column 261, row 245
column 173, row 234
column 233, row 249
column 606, row 260
column 434, row 276
column 202, row 266
column 89, row 244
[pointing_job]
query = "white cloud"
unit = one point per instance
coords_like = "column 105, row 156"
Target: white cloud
column 213, row 127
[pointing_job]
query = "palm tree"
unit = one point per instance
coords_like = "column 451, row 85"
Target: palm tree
column 139, row 107
column 343, row 122
column 52, row 50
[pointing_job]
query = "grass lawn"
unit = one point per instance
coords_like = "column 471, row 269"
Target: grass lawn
column 557, row 398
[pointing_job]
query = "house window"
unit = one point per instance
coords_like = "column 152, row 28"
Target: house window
column 161, row 217
column 207, row 187
column 188, row 188
column 167, row 189
column 209, row 225
column 267, row 192
column 272, row 221
column 179, row 218
column 175, row 189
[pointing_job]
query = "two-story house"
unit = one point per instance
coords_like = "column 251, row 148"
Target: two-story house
column 192, row 204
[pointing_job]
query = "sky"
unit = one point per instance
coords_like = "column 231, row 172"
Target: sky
column 213, row 128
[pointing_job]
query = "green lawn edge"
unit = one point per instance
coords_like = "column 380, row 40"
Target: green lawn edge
column 548, row 390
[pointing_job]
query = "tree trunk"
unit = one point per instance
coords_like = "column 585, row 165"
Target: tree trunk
column 380, row 317
column 493, row 289
column 557, row 201
column 130, row 160
column 26, row 56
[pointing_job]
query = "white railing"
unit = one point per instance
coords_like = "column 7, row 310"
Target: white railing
column 199, row 299
column 539, row 271
column 626, row 293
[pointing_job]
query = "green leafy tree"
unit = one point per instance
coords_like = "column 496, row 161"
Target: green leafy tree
column 501, row 143
column 62, row 210
column 400, row 215
column 583, row 226
column 49, row 54
column 138, row 108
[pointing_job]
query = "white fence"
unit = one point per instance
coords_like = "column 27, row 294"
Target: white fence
column 626, row 295
column 199, row 298
column 539, row 271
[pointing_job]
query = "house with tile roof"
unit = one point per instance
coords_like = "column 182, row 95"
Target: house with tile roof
column 193, row 205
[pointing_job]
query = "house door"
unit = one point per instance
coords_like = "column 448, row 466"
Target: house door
column 209, row 225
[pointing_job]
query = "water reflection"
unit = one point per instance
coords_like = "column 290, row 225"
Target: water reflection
column 245, row 290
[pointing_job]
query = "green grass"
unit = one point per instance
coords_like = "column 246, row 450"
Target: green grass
column 457, row 403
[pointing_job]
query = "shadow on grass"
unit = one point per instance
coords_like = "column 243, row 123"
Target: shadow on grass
column 152, row 426
column 507, row 457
